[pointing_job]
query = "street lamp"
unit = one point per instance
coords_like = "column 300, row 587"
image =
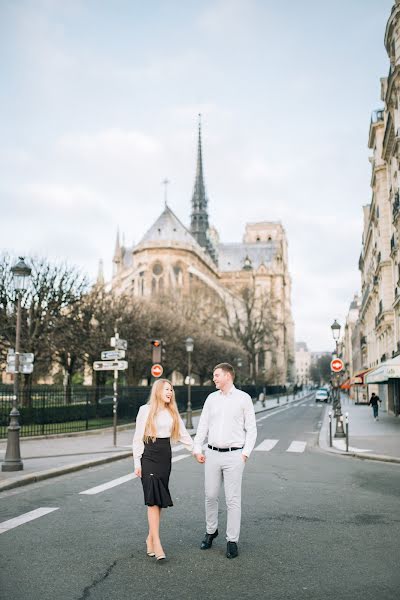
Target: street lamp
column 12, row 462
column 335, row 327
column 189, row 349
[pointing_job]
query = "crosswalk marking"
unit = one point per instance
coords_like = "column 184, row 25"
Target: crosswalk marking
column 266, row 445
column 297, row 447
column 120, row 480
column 25, row 518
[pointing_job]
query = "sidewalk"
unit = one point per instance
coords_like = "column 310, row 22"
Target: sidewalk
column 368, row 439
column 45, row 457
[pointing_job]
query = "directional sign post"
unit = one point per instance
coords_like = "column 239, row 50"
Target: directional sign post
column 26, row 358
column 110, row 365
column 157, row 370
column 26, row 369
column 118, row 344
column 112, row 354
column 111, row 361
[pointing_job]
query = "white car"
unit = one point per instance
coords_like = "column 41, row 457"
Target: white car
column 321, row 395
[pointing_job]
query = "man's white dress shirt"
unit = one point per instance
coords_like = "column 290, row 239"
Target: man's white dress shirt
column 163, row 421
column 228, row 420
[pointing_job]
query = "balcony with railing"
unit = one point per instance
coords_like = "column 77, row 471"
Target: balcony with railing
column 363, row 340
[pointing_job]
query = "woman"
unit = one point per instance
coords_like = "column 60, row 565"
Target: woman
column 157, row 424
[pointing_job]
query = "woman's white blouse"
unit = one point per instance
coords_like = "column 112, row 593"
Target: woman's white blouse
column 163, row 422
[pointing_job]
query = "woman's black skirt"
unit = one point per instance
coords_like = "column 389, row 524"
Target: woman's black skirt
column 156, row 469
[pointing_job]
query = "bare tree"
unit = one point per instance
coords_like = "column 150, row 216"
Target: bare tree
column 49, row 325
column 250, row 322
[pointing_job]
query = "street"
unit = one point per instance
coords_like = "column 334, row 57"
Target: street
column 314, row 526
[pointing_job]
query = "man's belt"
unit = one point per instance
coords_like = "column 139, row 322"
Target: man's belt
column 224, row 449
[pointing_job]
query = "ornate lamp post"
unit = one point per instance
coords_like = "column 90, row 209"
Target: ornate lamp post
column 336, row 403
column 12, row 462
column 189, row 349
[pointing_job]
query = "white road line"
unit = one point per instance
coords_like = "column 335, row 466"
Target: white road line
column 25, row 518
column 110, row 484
column 297, row 447
column 266, row 445
column 276, row 412
column 120, row 480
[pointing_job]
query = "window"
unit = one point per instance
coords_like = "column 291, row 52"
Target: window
column 178, row 275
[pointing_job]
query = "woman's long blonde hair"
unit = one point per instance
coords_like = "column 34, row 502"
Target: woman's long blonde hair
column 156, row 404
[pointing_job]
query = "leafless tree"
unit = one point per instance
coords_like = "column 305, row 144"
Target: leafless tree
column 250, row 322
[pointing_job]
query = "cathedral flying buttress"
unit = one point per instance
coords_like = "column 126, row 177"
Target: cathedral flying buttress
column 172, row 259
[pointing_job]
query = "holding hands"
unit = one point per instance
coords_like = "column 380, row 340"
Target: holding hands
column 200, row 458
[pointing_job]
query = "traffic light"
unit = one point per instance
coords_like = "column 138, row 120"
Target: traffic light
column 156, row 351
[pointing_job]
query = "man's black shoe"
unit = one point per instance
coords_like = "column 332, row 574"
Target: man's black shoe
column 231, row 550
column 208, row 540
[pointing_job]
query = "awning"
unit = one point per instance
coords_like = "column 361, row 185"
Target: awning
column 359, row 377
column 345, row 385
column 387, row 370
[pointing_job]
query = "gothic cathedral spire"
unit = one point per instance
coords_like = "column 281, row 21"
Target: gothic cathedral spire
column 199, row 218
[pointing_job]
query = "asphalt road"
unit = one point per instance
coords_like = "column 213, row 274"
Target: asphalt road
column 314, row 526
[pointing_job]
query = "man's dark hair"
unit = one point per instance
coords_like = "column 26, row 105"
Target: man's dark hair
column 227, row 368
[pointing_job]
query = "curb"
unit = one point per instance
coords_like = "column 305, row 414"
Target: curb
column 323, row 445
column 57, row 471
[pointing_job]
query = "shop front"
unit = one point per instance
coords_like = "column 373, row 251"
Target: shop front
column 387, row 377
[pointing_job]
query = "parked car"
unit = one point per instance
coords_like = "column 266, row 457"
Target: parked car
column 321, row 395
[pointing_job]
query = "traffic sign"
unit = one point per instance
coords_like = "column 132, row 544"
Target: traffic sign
column 112, row 354
column 110, row 365
column 119, row 344
column 337, row 365
column 26, row 369
column 26, row 358
column 157, row 370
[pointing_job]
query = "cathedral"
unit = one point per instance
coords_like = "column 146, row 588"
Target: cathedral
column 172, row 258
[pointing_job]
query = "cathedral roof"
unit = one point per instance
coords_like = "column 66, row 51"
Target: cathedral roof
column 168, row 228
column 232, row 257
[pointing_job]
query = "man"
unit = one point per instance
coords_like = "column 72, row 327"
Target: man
column 229, row 422
column 374, row 403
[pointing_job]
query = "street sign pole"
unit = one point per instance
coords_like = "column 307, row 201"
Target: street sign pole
column 115, row 398
column 115, row 406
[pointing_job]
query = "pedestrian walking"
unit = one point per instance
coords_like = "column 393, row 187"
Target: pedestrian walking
column 157, row 425
column 373, row 401
column 228, row 421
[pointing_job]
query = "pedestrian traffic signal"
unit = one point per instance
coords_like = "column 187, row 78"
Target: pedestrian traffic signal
column 156, row 351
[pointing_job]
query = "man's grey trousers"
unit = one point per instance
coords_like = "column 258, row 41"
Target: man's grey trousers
column 224, row 467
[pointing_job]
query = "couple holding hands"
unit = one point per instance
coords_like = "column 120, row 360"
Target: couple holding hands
column 228, row 421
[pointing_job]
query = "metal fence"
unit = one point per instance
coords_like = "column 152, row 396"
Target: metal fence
column 48, row 410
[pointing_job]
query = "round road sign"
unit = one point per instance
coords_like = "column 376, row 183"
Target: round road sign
column 337, row 365
column 157, row 370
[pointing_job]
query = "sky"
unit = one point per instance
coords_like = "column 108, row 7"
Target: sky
column 99, row 102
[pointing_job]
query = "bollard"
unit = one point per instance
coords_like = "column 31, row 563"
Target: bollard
column 287, row 398
column 278, row 399
column 330, row 428
column 347, row 431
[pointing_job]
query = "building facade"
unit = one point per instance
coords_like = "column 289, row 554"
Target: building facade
column 303, row 364
column 173, row 259
column 374, row 343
